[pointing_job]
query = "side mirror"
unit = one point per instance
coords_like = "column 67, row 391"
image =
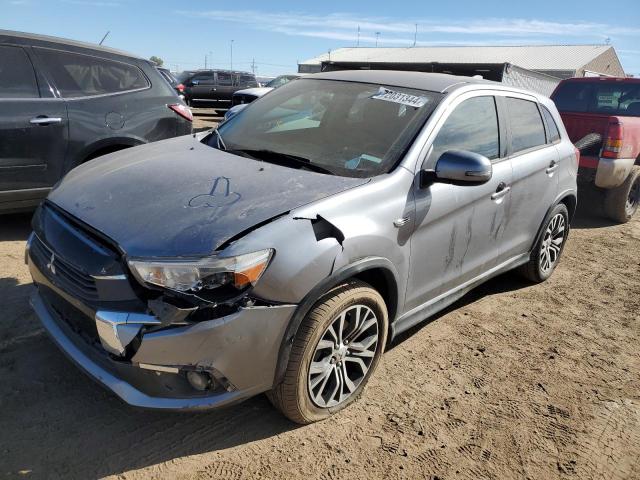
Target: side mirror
column 458, row 167
column 195, row 82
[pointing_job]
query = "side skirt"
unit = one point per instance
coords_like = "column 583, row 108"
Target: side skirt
column 430, row 308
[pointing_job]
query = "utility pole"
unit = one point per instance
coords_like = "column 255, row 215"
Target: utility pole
column 358, row 43
column 205, row 61
column 105, row 36
column 231, row 54
column 415, row 36
column 377, row 35
column 253, row 66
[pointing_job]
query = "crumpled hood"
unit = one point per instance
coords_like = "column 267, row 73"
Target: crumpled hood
column 180, row 197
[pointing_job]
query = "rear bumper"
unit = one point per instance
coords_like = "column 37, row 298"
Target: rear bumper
column 240, row 350
column 610, row 172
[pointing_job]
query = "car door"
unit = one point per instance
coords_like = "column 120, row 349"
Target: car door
column 225, row 89
column 203, row 87
column 33, row 128
column 459, row 227
column 535, row 174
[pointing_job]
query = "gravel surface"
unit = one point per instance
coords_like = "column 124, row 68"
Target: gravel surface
column 514, row 381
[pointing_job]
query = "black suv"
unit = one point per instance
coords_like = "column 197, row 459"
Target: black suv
column 213, row 88
column 64, row 102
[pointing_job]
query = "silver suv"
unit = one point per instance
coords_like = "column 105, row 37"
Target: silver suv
column 282, row 252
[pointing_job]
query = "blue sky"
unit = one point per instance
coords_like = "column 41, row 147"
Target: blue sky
column 279, row 34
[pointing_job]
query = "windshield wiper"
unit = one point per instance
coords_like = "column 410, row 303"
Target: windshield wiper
column 272, row 156
column 219, row 141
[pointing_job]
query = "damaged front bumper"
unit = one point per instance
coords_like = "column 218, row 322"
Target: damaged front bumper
column 238, row 351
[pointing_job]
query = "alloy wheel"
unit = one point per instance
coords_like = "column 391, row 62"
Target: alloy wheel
column 343, row 356
column 552, row 242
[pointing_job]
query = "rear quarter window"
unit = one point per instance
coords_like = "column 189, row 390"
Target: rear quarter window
column 527, row 129
column 79, row 75
column 553, row 134
column 17, row 77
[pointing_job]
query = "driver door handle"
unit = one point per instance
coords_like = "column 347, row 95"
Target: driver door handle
column 501, row 191
column 45, row 120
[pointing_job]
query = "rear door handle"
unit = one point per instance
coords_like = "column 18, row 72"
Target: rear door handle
column 553, row 166
column 501, row 191
column 45, row 120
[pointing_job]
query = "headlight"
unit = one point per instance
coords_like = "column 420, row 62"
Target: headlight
column 207, row 273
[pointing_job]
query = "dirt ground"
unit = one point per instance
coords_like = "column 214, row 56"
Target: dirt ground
column 515, row 381
column 205, row 118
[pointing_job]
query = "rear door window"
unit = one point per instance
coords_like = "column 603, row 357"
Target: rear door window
column 203, row 78
column 79, row 75
column 553, row 135
column 17, row 77
column 224, row 79
column 527, row 129
column 472, row 126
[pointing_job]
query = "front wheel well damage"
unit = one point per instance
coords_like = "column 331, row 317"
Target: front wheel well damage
column 383, row 282
column 372, row 271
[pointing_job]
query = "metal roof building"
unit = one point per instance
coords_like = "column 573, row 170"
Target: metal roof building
column 537, row 67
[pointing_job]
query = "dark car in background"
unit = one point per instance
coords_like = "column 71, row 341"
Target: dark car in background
column 64, row 102
column 169, row 77
column 213, row 88
column 248, row 95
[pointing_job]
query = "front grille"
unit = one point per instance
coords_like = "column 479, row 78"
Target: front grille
column 63, row 274
column 239, row 99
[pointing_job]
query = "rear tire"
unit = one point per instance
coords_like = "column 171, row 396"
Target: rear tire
column 329, row 366
column 547, row 251
column 621, row 203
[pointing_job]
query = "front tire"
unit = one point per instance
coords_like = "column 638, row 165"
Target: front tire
column 547, row 251
column 621, row 203
column 336, row 349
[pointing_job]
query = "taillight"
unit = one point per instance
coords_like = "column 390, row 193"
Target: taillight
column 613, row 143
column 180, row 88
column 184, row 112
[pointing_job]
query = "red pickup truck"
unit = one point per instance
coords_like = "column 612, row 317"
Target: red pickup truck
column 608, row 111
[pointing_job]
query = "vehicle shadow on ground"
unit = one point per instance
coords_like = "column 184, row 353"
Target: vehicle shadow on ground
column 507, row 282
column 15, row 227
column 57, row 423
column 589, row 217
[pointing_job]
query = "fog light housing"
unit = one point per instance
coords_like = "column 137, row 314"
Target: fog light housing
column 200, row 381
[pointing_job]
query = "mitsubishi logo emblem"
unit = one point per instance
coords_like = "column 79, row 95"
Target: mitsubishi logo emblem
column 50, row 266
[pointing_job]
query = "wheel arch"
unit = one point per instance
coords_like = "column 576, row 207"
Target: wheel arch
column 378, row 272
column 570, row 201
column 103, row 147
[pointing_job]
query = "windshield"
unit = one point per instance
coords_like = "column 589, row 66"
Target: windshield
column 347, row 128
column 607, row 98
column 281, row 80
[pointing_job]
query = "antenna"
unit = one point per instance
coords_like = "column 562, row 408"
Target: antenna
column 358, row 43
column 105, row 36
column 377, row 35
column 415, row 36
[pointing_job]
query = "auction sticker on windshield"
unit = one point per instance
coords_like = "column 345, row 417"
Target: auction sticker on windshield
column 401, row 98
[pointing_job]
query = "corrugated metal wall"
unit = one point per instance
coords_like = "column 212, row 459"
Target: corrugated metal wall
column 529, row 80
